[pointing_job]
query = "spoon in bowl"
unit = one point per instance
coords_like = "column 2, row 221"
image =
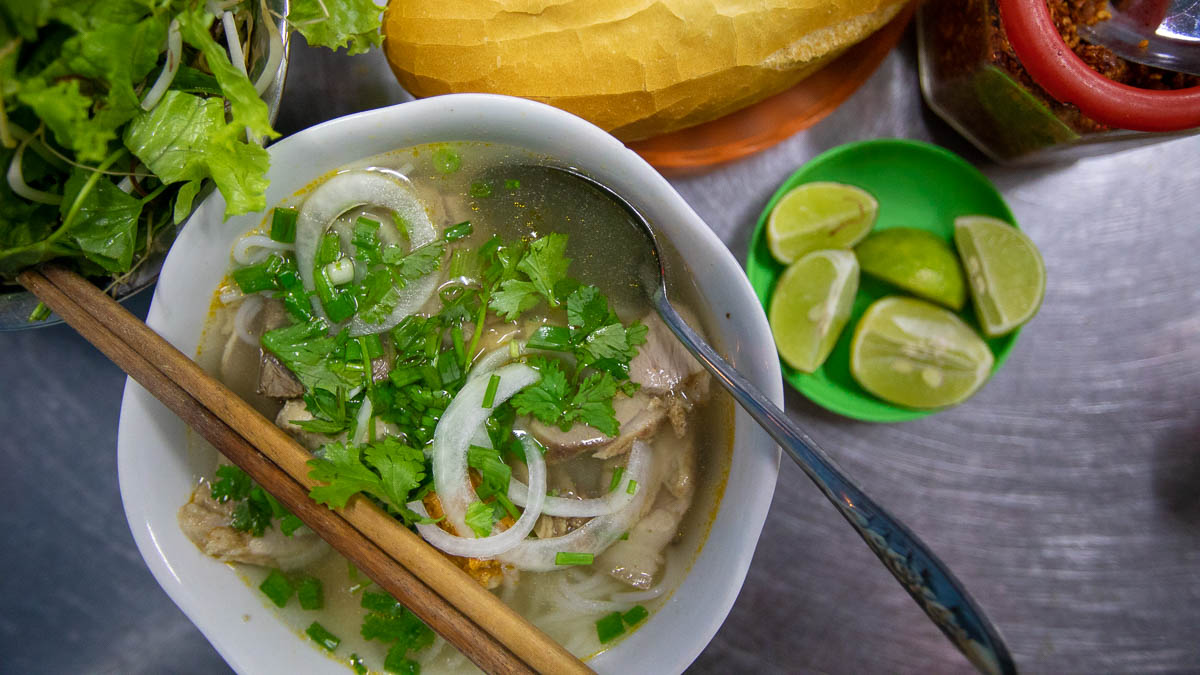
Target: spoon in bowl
column 919, row 571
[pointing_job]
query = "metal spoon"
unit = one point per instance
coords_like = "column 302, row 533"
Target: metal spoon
column 1160, row 33
column 918, row 570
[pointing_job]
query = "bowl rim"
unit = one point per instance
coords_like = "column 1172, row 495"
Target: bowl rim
column 145, row 425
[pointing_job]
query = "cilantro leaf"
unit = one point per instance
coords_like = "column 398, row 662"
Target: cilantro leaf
column 480, row 518
column 345, row 475
column 592, row 403
column 587, row 308
column 513, row 298
column 546, row 398
column 306, row 349
column 545, row 263
column 231, row 483
column 495, row 473
column 401, row 469
column 377, row 297
column 420, row 262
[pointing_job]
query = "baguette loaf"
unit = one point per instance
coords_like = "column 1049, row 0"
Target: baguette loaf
column 637, row 68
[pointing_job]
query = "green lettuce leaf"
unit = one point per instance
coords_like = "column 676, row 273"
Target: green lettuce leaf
column 110, row 57
column 186, row 138
column 248, row 109
column 353, row 24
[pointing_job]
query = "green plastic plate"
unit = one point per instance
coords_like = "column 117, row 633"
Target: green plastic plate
column 917, row 185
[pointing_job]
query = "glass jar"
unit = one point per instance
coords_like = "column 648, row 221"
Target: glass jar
column 998, row 71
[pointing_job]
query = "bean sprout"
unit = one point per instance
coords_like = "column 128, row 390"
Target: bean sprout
column 174, row 56
column 16, row 180
column 274, row 51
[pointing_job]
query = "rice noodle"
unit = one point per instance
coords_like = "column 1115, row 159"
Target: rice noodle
column 16, row 179
column 496, row 543
column 612, row 502
column 254, row 248
column 170, row 68
column 344, row 192
column 459, row 423
column 246, row 313
column 537, row 555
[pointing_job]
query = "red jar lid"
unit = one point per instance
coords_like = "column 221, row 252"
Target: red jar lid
column 1052, row 64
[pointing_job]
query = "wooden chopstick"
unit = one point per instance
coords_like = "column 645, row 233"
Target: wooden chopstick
column 134, row 347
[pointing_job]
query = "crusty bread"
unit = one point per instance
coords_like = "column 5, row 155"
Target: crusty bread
column 637, row 68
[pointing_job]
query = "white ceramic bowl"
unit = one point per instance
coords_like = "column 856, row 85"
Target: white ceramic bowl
column 157, row 472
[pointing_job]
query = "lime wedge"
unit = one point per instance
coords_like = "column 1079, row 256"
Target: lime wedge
column 917, row 261
column 1005, row 272
column 916, row 354
column 811, row 305
column 816, row 216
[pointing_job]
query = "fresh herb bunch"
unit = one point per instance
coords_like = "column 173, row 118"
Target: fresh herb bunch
column 115, row 112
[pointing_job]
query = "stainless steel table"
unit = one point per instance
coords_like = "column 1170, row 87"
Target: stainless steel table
column 1066, row 494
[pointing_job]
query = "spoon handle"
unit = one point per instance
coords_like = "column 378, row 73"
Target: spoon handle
column 927, row 579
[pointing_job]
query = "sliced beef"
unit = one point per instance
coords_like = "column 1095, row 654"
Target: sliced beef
column 638, row 417
column 207, row 523
column 274, row 379
column 295, row 411
column 663, row 366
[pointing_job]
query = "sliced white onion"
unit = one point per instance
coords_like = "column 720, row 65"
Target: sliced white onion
column 167, row 76
column 246, row 312
column 362, row 423
column 492, row 360
column 612, row 502
column 493, row 545
column 274, row 49
column 343, row 192
column 254, row 248
column 458, row 424
column 16, row 180
column 596, row 535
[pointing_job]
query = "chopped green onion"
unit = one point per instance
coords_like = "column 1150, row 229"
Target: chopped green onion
column 39, row 313
column 632, row 487
column 460, row 350
column 258, row 277
column 610, row 627
column 616, row 478
column 277, row 588
column 446, row 160
column 402, row 377
column 480, row 189
column 374, row 345
column 322, row 636
column 340, row 271
column 489, row 395
column 625, row 536
column 283, row 225
column 397, row 663
column 448, row 369
column 328, row 250
column 569, row 558
column 635, row 616
column 509, row 508
column 310, row 593
column 357, row 664
column 400, row 223
column 512, row 184
column 514, row 349
column 458, row 231
column 554, row 338
column 341, row 307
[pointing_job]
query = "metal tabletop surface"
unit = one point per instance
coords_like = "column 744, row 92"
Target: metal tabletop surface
column 1065, row 495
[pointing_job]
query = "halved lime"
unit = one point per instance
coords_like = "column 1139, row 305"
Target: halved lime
column 916, row 354
column 816, row 216
column 811, row 305
column 917, row 261
column 1005, row 272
